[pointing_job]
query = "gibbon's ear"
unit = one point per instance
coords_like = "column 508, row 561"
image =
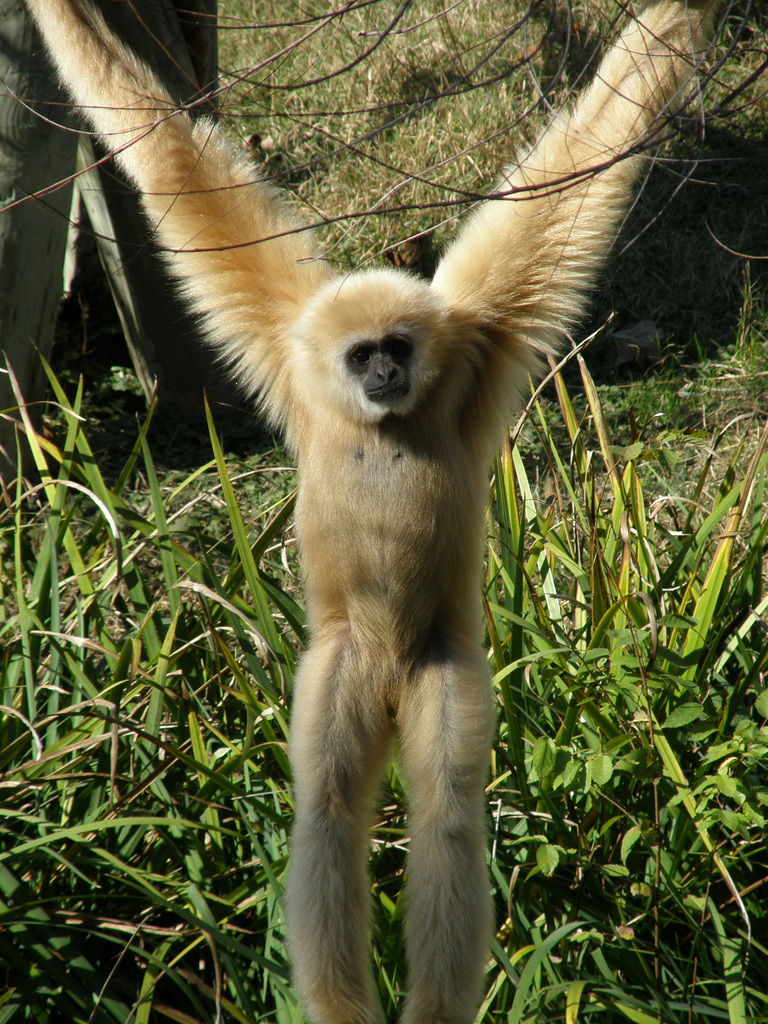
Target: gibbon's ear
column 523, row 266
column 244, row 261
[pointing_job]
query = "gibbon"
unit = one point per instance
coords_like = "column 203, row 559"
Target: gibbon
column 393, row 393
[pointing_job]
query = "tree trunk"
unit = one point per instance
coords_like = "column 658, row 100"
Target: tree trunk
column 33, row 233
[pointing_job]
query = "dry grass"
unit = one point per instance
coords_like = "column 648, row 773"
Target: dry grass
column 409, row 120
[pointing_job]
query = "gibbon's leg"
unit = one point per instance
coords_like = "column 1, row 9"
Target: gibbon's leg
column 340, row 739
column 446, row 723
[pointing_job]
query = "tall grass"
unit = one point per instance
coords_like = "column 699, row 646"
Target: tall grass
column 147, row 650
column 145, row 800
column 630, row 647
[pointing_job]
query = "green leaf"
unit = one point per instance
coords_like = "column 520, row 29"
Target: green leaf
column 547, row 857
column 695, row 903
column 543, row 757
column 636, row 1016
column 683, row 715
column 599, row 770
column 732, row 947
column 573, row 1001
column 630, row 838
column 631, row 451
column 533, row 966
column 727, row 785
column 568, row 774
column 761, row 704
column 157, row 699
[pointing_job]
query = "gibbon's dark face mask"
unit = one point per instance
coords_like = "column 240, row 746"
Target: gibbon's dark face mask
column 383, row 367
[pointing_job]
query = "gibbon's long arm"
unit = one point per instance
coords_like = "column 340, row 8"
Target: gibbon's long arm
column 228, row 236
column 523, row 266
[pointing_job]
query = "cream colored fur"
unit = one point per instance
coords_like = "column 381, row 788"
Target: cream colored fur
column 390, row 513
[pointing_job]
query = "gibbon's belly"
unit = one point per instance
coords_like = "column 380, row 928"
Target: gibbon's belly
column 386, row 528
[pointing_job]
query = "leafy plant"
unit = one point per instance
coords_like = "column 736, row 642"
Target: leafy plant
column 144, row 798
column 630, row 649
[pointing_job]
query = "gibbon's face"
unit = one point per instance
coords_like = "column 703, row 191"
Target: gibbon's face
column 382, row 368
column 368, row 344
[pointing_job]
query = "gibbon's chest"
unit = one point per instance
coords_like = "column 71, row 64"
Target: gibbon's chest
column 377, row 509
column 372, row 479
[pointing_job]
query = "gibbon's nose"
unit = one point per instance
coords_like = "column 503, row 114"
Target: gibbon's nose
column 386, row 371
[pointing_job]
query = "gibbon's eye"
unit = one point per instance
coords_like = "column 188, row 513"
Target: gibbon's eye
column 359, row 356
column 398, row 346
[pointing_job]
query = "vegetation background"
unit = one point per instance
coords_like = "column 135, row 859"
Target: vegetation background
column 151, row 618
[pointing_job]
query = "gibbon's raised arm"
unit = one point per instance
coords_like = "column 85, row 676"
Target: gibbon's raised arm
column 523, row 266
column 229, row 237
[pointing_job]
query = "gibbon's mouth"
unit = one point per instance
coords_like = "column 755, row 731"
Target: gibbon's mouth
column 387, row 393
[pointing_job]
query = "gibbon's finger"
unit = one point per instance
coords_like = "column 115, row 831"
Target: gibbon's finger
column 246, row 264
column 523, row 265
